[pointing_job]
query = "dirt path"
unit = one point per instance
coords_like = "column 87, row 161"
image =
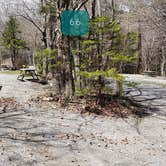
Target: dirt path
column 44, row 136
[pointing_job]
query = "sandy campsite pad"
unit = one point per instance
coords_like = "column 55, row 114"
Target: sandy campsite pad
column 40, row 135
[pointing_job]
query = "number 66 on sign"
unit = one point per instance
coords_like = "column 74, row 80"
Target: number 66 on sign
column 74, row 23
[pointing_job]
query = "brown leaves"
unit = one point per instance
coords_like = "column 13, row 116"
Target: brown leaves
column 8, row 104
column 112, row 109
column 51, row 98
column 124, row 141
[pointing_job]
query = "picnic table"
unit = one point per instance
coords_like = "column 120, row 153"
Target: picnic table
column 30, row 71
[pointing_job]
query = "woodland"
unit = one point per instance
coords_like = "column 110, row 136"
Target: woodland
column 125, row 36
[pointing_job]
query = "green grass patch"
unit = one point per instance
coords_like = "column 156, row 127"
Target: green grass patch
column 10, row 72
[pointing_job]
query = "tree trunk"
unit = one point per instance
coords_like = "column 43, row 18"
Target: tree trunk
column 70, row 90
column 99, row 8
column 139, row 66
column 93, row 9
column 113, row 9
column 59, row 75
column 163, row 63
column 64, row 73
column 13, row 58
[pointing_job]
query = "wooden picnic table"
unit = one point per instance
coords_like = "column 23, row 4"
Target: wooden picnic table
column 31, row 71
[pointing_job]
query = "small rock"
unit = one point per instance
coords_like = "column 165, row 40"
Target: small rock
column 99, row 145
column 106, row 146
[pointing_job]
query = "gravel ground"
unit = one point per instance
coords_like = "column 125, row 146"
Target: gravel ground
column 146, row 79
column 151, row 91
column 45, row 136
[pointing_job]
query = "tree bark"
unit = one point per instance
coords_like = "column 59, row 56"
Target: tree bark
column 13, row 58
column 163, row 64
column 139, row 66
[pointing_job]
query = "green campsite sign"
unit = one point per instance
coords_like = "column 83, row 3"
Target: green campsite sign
column 74, row 23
